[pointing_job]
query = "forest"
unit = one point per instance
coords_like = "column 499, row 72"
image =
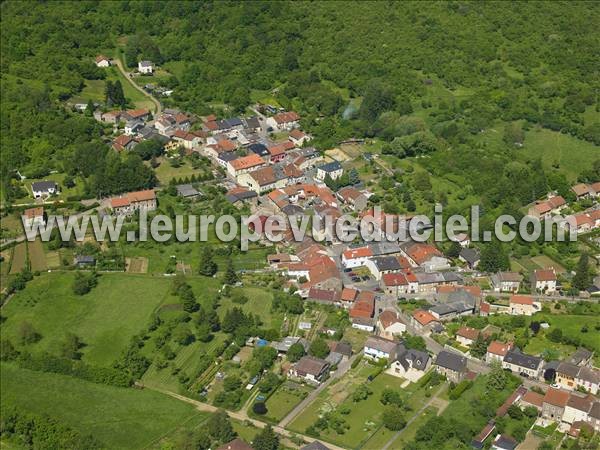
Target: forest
column 353, row 69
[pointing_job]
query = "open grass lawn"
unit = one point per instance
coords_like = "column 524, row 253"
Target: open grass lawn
column 118, row 417
column 573, row 155
column 365, row 416
column 63, row 194
column 105, row 319
column 571, row 326
column 356, row 338
column 94, row 90
column 19, row 258
column 546, row 262
column 287, row 396
column 259, row 302
column 165, row 172
column 245, row 431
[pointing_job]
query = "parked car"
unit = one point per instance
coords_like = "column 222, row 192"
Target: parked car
column 347, row 270
column 355, row 279
column 365, row 277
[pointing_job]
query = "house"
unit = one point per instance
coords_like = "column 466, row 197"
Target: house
column 44, row 188
column 378, row 348
column 348, row 296
column 496, row 351
column 84, row 261
column 343, row 348
column 470, row 256
column 422, row 320
column 145, row 67
column 352, row 197
column 310, row 369
column 263, row 179
column 356, row 257
column 382, row 265
column 186, row 140
column 134, row 201
column 554, row 403
column 364, row 306
column 463, row 239
column 133, row 126
column 187, row 191
column 410, row 364
column 109, row 116
column 283, row 121
column 583, row 190
column 504, row 442
column 570, row 376
column 544, row 210
column 532, row 398
column 395, row 284
column 390, row 325
column 523, row 305
column 124, row 142
column 325, row 296
column 452, row 365
column 33, row 217
column 298, row 138
column 332, row 169
column 137, row 114
column 363, row 323
column 260, row 149
column 315, row 445
column 102, row 61
column 448, row 311
column 466, row 336
column 240, row 195
column 581, row 357
column 293, row 173
column 245, row 164
column 544, row 280
column 236, row 444
column 578, row 408
column 507, row 281
column 521, row 363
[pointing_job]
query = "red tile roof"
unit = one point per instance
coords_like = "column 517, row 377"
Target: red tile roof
column 32, row 213
column 533, row 398
column 388, row 318
column 394, row 279
column 556, row 397
column 423, row 317
column 360, row 252
column 545, row 275
column 247, row 162
column 521, row 299
column 297, row 134
column 499, row 348
column 468, row 333
column 132, row 197
column 286, row 117
column 135, row 113
column 349, row 294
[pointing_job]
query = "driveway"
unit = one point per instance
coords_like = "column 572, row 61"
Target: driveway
column 157, row 105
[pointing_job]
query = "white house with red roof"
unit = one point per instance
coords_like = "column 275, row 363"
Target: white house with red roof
column 131, row 202
column 390, row 325
column 284, row 121
column 496, row 351
column 356, row 257
column 102, row 61
column 523, row 305
column 544, row 280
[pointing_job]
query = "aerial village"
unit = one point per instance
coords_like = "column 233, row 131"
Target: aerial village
column 391, row 292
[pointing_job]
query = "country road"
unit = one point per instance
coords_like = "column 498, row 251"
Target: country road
column 158, row 106
column 242, row 416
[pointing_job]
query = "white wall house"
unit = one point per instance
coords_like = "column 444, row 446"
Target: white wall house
column 145, row 67
column 44, row 188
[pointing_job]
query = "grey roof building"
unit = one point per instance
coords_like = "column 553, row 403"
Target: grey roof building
column 518, row 358
column 451, row 361
column 387, row 263
column 187, row 191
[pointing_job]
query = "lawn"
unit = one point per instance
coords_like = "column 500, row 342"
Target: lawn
column 165, row 172
column 118, row 417
column 259, row 302
column 285, row 398
column 573, row 155
column 105, row 319
column 380, row 438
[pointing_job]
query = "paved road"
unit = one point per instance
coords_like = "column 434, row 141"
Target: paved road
column 342, row 369
column 157, row 105
column 242, row 416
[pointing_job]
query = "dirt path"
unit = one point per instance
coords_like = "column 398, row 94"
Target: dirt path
column 413, row 418
column 157, row 105
column 242, row 416
column 342, row 369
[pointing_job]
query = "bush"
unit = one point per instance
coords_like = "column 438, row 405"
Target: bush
column 461, row 387
column 259, row 408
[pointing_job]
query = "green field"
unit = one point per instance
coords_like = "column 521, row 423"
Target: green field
column 105, row 319
column 19, row 258
column 259, row 302
column 287, row 396
column 118, row 417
